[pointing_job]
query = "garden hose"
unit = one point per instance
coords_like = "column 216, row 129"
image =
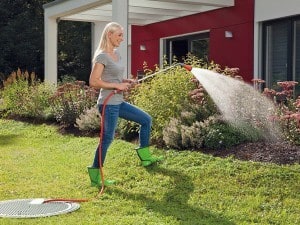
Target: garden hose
column 101, row 191
column 101, row 138
column 103, row 116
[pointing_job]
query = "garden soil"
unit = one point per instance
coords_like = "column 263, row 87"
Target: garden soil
column 269, row 152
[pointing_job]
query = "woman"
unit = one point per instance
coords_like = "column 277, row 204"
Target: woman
column 107, row 75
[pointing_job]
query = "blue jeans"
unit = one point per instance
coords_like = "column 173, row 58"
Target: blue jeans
column 127, row 112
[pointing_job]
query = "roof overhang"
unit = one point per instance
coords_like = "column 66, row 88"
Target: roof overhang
column 140, row 12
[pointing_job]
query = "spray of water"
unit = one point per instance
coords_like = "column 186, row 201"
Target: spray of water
column 240, row 104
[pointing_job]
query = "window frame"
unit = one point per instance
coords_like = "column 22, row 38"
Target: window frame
column 167, row 43
column 291, row 48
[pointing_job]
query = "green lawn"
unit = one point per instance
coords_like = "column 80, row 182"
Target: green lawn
column 187, row 188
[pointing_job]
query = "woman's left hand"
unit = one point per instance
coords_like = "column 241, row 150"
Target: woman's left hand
column 132, row 83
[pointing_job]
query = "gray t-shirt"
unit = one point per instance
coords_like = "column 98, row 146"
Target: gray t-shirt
column 112, row 73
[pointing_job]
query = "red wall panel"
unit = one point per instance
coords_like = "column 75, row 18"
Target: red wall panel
column 233, row 52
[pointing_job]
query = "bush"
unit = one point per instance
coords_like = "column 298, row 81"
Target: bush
column 222, row 135
column 163, row 97
column 127, row 130
column 194, row 136
column 189, row 129
column 170, row 95
column 71, row 100
column 178, row 135
column 24, row 96
column 288, row 113
column 67, row 79
column 211, row 133
column 89, row 120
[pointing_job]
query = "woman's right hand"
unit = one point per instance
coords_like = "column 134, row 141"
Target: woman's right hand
column 123, row 86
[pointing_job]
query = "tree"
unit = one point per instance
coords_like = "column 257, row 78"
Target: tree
column 22, row 41
column 21, row 30
column 74, row 49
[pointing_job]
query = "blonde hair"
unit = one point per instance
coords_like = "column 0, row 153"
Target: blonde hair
column 110, row 27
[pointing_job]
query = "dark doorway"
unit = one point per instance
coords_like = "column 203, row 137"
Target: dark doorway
column 180, row 49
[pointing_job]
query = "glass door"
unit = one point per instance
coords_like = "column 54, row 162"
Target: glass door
column 276, row 53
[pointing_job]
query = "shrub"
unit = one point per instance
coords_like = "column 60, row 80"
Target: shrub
column 181, row 136
column 211, row 133
column 127, row 130
column 222, row 135
column 194, row 136
column 71, row 100
column 24, row 96
column 189, row 129
column 163, row 97
column 89, row 120
column 172, row 134
column 201, row 125
column 184, row 115
column 178, row 135
column 67, row 79
column 288, row 113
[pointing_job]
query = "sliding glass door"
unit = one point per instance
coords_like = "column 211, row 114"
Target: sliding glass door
column 281, row 60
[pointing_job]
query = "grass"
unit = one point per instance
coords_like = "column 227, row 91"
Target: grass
column 187, row 188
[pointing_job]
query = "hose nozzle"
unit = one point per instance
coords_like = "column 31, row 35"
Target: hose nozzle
column 187, row 67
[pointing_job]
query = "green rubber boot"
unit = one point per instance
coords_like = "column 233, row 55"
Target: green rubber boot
column 146, row 158
column 95, row 177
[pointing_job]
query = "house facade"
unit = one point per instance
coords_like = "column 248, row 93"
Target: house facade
column 260, row 37
column 277, row 41
column 224, row 35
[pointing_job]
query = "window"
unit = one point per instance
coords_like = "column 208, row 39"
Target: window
column 179, row 47
column 296, row 71
column 281, row 40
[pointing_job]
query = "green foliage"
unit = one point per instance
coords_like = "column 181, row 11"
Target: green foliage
column 201, row 125
column 15, row 88
column 288, row 109
column 22, row 36
column 71, row 100
column 89, row 120
column 66, row 79
column 22, row 41
column 210, row 133
column 24, row 96
column 163, row 97
column 74, row 50
column 184, row 115
column 127, row 130
column 223, row 136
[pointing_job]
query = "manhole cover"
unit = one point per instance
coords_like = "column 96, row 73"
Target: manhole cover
column 24, row 208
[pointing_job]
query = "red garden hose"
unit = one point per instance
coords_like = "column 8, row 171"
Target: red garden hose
column 101, row 138
column 100, row 156
column 187, row 67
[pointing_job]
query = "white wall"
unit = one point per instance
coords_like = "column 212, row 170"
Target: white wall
column 273, row 9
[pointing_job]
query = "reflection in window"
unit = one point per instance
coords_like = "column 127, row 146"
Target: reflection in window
column 281, row 61
column 276, row 53
column 179, row 47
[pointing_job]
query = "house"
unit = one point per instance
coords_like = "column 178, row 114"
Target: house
column 261, row 37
